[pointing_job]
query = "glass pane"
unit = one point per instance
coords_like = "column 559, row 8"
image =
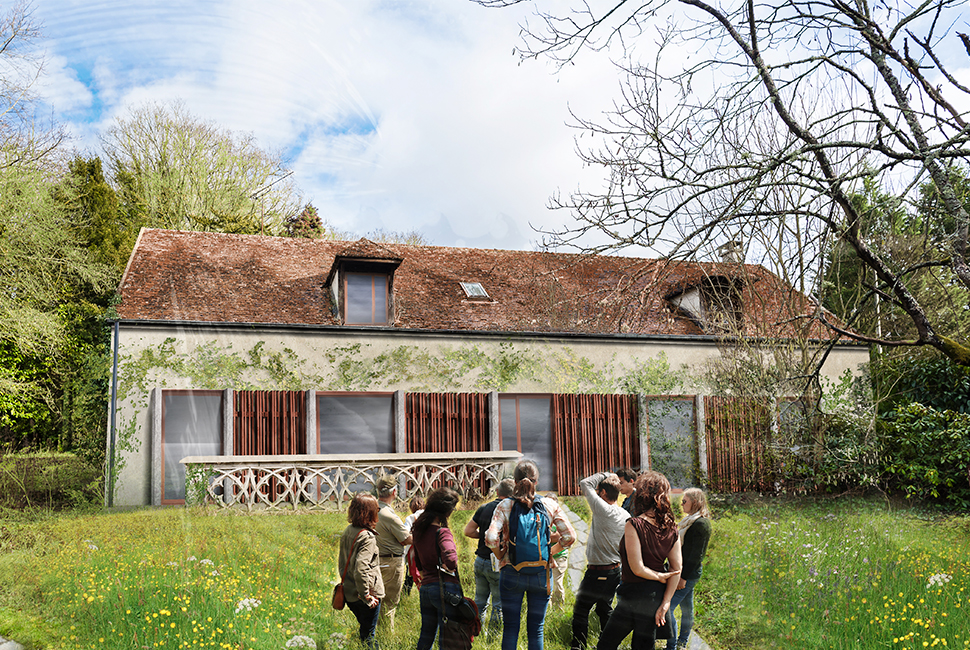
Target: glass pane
column 192, row 427
column 535, row 430
column 672, row 440
column 380, row 299
column 359, row 299
column 510, row 425
column 355, row 424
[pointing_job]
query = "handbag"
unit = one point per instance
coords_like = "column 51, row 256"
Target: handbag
column 457, row 631
column 664, row 631
column 337, row 600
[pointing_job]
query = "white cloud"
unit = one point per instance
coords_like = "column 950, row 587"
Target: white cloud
column 404, row 115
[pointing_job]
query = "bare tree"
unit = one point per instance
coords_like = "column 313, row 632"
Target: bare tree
column 743, row 104
column 186, row 173
column 25, row 136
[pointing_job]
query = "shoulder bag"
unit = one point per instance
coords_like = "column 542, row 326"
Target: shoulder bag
column 338, row 591
column 460, row 628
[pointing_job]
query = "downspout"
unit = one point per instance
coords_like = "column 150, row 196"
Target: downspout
column 113, row 416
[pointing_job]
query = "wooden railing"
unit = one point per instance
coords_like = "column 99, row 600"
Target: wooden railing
column 328, row 481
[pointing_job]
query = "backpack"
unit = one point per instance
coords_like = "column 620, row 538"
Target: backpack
column 529, row 547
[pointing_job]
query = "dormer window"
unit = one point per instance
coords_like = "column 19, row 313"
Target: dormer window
column 361, row 283
column 365, row 298
column 474, row 291
column 715, row 305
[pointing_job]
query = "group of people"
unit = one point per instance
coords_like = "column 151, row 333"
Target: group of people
column 636, row 553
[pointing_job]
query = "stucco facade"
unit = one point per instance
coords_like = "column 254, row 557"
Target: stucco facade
column 155, row 356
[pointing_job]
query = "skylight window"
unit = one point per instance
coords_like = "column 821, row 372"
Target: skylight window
column 474, row 290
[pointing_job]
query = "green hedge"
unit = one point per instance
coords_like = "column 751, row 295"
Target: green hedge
column 926, row 453
column 47, row 479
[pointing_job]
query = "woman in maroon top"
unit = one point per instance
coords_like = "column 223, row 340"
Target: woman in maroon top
column 651, row 562
column 434, row 547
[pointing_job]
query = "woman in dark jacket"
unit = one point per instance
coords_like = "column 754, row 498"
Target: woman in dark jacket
column 363, row 586
column 650, row 562
column 434, row 547
column 695, row 532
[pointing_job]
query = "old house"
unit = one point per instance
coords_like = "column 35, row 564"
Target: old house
column 242, row 344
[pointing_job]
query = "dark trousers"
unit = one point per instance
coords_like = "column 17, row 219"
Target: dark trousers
column 367, row 618
column 595, row 591
column 636, row 609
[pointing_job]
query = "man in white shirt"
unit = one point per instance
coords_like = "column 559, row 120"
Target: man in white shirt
column 602, row 575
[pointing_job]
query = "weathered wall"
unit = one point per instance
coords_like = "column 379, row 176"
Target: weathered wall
column 379, row 360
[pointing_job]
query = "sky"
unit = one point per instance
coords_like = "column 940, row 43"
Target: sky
column 394, row 115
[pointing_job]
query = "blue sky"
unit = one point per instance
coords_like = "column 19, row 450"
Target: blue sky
column 393, row 115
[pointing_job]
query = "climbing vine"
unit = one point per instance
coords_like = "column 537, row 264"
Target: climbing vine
column 356, row 367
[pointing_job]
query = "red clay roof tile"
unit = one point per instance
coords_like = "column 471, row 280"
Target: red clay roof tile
column 213, row 277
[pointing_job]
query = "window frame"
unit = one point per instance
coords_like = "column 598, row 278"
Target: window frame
column 374, row 274
column 221, row 419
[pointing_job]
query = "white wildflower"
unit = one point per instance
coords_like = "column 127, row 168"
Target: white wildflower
column 247, row 605
column 301, row 641
column 938, row 580
column 206, row 562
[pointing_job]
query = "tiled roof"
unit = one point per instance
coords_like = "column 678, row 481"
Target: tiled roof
column 212, row 277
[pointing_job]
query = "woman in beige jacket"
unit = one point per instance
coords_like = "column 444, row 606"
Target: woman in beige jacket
column 363, row 586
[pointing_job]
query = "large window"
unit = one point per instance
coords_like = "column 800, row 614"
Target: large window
column 365, row 298
column 527, row 427
column 191, row 426
column 671, row 436
column 355, row 423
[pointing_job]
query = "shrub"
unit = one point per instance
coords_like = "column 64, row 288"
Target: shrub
column 927, row 453
column 47, row 479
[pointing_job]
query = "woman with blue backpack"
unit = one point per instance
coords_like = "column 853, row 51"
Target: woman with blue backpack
column 519, row 535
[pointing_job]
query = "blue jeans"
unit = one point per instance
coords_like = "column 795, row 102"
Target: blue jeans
column 596, row 590
column 432, row 611
column 636, row 609
column 367, row 618
column 513, row 585
column 685, row 598
column 487, row 582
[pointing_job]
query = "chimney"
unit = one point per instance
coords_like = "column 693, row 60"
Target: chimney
column 731, row 252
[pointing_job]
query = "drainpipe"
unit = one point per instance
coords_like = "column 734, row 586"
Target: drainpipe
column 113, row 419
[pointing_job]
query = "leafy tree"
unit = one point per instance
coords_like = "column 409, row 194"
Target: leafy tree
column 306, row 224
column 107, row 232
column 47, row 273
column 844, row 91
column 174, row 170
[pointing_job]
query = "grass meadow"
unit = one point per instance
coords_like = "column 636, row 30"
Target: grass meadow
column 807, row 574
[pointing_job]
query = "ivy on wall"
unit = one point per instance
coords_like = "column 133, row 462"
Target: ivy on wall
column 355, row 367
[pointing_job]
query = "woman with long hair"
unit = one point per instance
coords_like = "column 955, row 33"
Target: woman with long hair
column 360, row 564
column 694, row 531
column 516, row 581
column 436, row 557
column 650, row 559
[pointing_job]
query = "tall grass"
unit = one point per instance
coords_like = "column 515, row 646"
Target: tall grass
column 186, row 578
column 836, row 575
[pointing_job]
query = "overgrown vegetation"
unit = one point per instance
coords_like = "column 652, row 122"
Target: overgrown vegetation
column 182, row 577
column 834, row 573
column 808, row 573
column 47, row 480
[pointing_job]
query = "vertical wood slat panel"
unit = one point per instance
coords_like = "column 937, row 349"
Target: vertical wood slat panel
column 592, row 433
column 269, row 423
column 738, row 444
column 446, row 422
